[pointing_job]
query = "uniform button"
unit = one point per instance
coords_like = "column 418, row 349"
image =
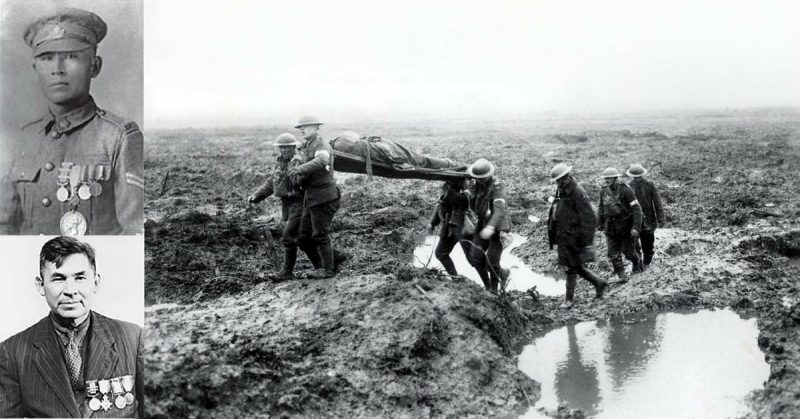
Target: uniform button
column 21, row 174
column 54, row 134
column 46, row 202
column 49, row 166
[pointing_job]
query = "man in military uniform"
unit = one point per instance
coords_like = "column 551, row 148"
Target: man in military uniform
column 571, row 227
column 74, row 362
column 291, row 196
column 652, row 211
column 77, row 169
column 320, row 198
column 620, row 217
column 489, row 205
column 450, row 212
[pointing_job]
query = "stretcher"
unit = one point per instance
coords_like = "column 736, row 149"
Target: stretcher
column 385, row 158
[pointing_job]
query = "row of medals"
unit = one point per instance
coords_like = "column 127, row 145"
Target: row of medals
column 76, row 183
column 119, row 389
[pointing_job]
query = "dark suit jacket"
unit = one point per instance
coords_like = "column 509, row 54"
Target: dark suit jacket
column 33, row 375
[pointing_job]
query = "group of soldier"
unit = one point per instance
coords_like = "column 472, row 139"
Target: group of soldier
column 470, row 213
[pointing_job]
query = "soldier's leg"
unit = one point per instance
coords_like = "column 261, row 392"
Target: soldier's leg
column 648, row 238
column 289, row 242
column 304, row 241
column 572, row 280
column 477, row 258
column 614, row 244
column 493, row 253
column 630, row 252
column 321, row 220
column 599, row 285
column 442, row 253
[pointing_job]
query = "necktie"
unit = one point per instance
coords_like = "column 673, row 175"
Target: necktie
column 74, row 359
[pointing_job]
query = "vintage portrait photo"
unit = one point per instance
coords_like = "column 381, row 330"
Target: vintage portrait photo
column 70, row 129
column 71, row 340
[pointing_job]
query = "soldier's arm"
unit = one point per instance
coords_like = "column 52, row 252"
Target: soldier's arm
column 320, row 162
column 499, row 213
column 128, row 179
column 264, row 191
column 587, row 219
column 10, row 210
column 10, row 398
column 657, row 204
column 630, row 200
column 436, row 219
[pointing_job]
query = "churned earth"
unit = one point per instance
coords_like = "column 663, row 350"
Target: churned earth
column 385, row 339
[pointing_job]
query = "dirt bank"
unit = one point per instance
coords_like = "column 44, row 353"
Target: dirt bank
column 370, row 343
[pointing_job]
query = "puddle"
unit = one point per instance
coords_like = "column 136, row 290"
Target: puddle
column 695, row 365
column 522, row 278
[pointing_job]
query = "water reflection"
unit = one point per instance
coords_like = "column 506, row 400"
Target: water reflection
column 698, row 365
column 521, row 278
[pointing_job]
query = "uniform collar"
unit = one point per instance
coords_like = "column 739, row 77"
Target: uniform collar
column 57, row 125
column 568, row 188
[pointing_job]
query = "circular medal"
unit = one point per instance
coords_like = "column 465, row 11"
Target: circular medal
column 73, row 223
column 62, row 194
column 119, row 402
column 83, row 192
column 95, row 189
column 94, row 404
column 129, row 398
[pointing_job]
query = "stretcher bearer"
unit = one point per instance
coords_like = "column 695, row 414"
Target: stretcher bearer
column 77, row 169
column 621, row 218
column 449, row 216
column 571, row 227
column 320, row 199
column 489, row 205
column 291, row 196
column 652, row 211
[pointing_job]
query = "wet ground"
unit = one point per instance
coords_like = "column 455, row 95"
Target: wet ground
column 705, row 362
column 522, row 278
column 386, row 339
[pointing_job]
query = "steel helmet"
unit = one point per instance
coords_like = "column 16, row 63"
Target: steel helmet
column 285, row 139
column 482, row 168
column 611, row 172
column 636, row 170
column 307, row 120
column 559, row 171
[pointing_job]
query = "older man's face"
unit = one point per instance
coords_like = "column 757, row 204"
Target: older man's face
column 70, row 288
column 610, row 181
column 309, row 131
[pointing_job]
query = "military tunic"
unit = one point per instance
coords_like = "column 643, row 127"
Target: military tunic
column 489, row 205
column 653, row 214
column 291, row 196
column 105, row 149
column 619, row 214
column 449, row 214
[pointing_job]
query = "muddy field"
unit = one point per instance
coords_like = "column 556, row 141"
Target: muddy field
column 383, row 339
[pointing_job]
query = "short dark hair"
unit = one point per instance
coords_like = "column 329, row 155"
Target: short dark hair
column 59, row 248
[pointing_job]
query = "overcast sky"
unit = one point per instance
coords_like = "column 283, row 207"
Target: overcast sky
column 213, row 63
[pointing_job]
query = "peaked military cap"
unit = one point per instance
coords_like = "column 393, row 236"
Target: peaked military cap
column 69, row 29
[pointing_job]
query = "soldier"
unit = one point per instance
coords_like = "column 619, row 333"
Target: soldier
column 571, row 227
column 291, row 196
column 621, row 218
column 450, row 211
column 653, row 213
column 320, row 198
column 77, row 169
column 489, row 205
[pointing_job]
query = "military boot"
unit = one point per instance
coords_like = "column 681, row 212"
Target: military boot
column 289, row 259
column 599, row 285
column 313, row 255
column 504, row 274
column 327, row 269
column 487, row 283
column 621, row 274
column 339, row 257
column 638, row 267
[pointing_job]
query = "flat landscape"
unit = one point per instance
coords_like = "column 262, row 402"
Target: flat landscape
column 385, row 339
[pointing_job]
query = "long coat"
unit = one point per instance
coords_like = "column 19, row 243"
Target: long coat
column 572, row 223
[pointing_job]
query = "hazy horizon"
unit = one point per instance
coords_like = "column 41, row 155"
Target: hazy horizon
column 209, row 64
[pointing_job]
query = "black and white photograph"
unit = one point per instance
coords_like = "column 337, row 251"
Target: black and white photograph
column 71, row 340
column 71, row 146
column 472, row 209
